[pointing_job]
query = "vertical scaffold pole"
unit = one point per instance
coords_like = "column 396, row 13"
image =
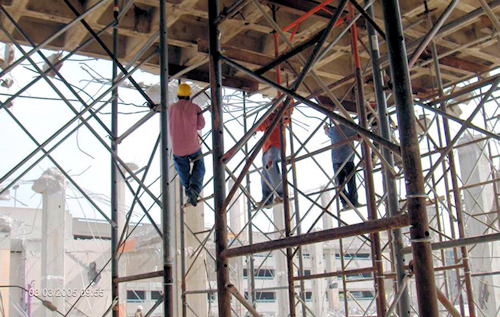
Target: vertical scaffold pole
column 114, row 179
column 416, row 198
column 457, row 198
column 389, row 179
column 368, row 174
column 224, row 296
column 166, row 197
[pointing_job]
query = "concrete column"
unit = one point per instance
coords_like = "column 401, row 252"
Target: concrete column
column 475, row 168
column 194, row 217
column 53, row 188
column 330, row 262
column 236, row 218
column 280, row 260
column 5, row 264
column 318, row 286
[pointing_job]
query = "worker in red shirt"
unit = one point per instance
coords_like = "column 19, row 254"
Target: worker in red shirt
column 184, row 121
column 271, row 154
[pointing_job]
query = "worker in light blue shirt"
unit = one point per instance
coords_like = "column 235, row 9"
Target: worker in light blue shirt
column 341, row 154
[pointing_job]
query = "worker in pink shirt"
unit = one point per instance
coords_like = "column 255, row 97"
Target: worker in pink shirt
column 184, row 121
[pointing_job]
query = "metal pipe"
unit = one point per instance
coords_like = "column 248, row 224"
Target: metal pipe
column 461, row 242
column 287, row 219
column 447, row 304
column 393, row 147
column 321, row 236
column 115, row 287
column 399, row 296
column 242, row 300
column 389, row 178
column 221, row 237
column 456, row 189
column 368, row 175
column 138, row 277
column 50, row 38
column 432, row 33
column 424, row 270
column 110, row 54
column 167, row 186
column 251, row 268
column 183, row 256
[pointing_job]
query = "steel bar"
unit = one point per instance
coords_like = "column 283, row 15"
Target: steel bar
column 221, row 236
column 183, row 256
column 115, row 213
column 368, row 175
column 138, row 277
column 432, row 33
column 287, row 220
column 456, row 189
column 78, row 115
column 242, row 300
column 458, row 120
column 422, row 254
column 109, row 53
column 451, row 144
column 229, row 12
column 447, row 304
column 368, row 18
column 383, row 142
column 289, row 54
column 62, row 60
column 399, row 296
column 167, row 185
column 50, row 38
column 251, row 268
column 46, row 153
column 462, row 242
column 388, row 177
column 297, row 213
column 321, row 236
column 491, row 15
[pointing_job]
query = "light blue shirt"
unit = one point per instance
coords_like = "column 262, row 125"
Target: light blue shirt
column 344, row 152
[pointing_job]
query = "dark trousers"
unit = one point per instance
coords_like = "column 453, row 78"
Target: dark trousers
column 351, row 192
column 190, row 178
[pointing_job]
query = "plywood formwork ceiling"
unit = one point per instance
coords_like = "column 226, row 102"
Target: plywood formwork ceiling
column 247, row 38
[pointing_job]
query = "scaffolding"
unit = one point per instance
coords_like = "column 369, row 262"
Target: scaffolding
column 407, row 168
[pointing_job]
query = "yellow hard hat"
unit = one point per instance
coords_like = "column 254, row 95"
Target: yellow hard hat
column 184, row 90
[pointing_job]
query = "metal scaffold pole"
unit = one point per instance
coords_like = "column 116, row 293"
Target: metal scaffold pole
column 114, row 181
column 389, row 179
column 167, row 198
column 368, row 174
column 457, row 198
column 221, row 243
column 419, row 229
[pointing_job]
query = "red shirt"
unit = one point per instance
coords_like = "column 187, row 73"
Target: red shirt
column 184, row 121
column 274, row 139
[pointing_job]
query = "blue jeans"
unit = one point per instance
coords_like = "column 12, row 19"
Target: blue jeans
column 271, row 172
column 352, row 193
column 193, row 179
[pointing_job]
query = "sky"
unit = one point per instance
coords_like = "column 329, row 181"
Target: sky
column 88, row 162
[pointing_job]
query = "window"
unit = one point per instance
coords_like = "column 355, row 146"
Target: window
column 306, row 255
column 268, row 297
column 155, row 295
column 359, row 276
column 357, row 295
column 355, row 256
column 136, row 296
column 307, row 272
column 309, row 296
column 263, row 274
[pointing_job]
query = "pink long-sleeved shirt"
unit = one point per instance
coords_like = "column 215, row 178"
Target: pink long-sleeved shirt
column 184, row 121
